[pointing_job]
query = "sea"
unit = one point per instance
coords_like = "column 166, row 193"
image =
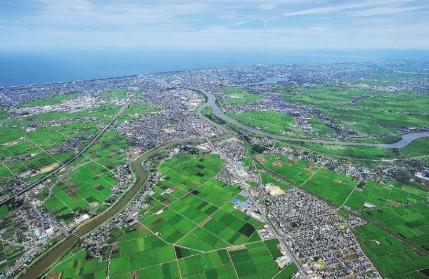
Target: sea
column 31, row 67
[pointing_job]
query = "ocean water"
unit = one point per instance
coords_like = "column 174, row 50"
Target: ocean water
column 48, row 66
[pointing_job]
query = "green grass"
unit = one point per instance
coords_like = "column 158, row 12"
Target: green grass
column 230, row 228
column 51, row 100
column 75, row 265
column 188, row 172
column 270, row 121
column 411, row 222
column 209, row 265
column 9, row 134
column 143, row 259
column 254, row 261
column 295, row 171
column 377, row 113
column 381, row 195
column 391, row 257
column 86, row 187
column 287, row 272
column 192, row 235
column 331, row 186
column 351, row 152
column 269, row 179
column 135, row 110
column 3, row 211
column 163, row 271
column 115, row 94
column 208, row 205
column 240, row 96
column 206, row 111
column 419, row 147
column 89, row 185
column 319, row 129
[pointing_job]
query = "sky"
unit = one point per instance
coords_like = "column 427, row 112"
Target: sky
column 215, row 24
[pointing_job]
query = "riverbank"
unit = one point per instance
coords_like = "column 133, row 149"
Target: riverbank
column 219, row 113
column 50, row 257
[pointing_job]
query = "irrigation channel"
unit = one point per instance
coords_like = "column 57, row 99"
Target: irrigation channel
column 51, row 256
column 218, row 112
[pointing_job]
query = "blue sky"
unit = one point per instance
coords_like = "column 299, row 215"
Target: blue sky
column 215, row 24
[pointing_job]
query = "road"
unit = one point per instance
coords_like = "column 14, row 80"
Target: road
column 66, row 163
column 50, row 257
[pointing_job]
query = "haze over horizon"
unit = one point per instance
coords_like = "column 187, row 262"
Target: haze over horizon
column 272, row 25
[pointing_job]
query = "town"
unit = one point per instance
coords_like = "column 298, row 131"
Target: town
column 321, row 197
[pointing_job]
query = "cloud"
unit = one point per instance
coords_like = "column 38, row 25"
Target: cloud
column 271, row 24
column 385, row 11
column 365, row 7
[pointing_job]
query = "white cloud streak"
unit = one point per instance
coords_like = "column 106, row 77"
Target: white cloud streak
column 372, row 7
column 217, row 24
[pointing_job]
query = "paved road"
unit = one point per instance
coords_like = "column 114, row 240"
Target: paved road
column 218, row 112
column 66, row 163
column 50, row 257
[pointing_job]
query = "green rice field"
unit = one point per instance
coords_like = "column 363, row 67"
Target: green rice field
column 270, row 121
column 402, row 210
column 391, row 257
column 376, row 112
column 410, row 222
column 240, row 96
column 191, row 230
column 381, row 195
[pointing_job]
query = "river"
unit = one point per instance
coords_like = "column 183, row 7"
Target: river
column 50, row 257
column 47, row 259
column 218, row 112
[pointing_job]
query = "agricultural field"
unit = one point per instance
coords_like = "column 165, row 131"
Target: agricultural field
column 270, row 121
column 295, row 171
column 280, row 123
column 410, row 222
column 391, row 257
column 51, row 100
column 207, row 111
column 268, row 179
column 76, row 265
column 87, row 186
column 191, row 230
column 364, row 111
column 3, row 211
column 288, row 272
column 239, row 96
column 37, row 152
column 381, row 195
column 417, row 148
column 32, row 146
column 199, row 206
column 144, row 255
column 343, row 151
column 135, row 110
column 401, row 209
column 91, row 182
column 331, row 186
column 10, row 251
